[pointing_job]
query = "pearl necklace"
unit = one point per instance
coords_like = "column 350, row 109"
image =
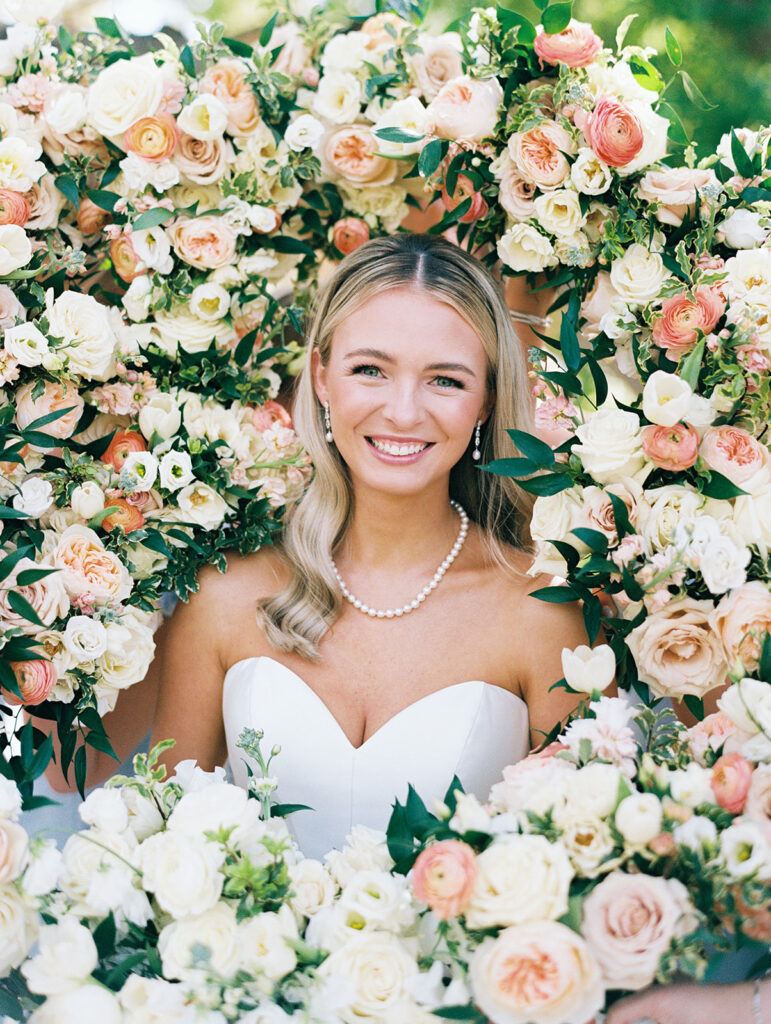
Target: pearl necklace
column 436, row 579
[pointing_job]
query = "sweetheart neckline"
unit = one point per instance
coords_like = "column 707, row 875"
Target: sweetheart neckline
column 421, row 700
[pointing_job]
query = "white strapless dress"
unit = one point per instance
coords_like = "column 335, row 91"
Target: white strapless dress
column 472, row 730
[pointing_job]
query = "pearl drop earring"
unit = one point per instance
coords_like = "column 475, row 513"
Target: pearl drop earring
column 477, row 454
column 327, row 423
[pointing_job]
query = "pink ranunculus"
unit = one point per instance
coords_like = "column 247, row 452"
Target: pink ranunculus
column 204, row 242
column 464, row 189
column 614, row 132
column 577, row 45
column 741, row 621
column 36, row 679
column 711, row 733
column 675, row 190
column 736, row 454
column 539, row 153
column 351, row 152
column 730, row 782
column 673, row 448
column 226, row 80
column 681, row 318
column 55, row 397
column 444, row 876
column 349, row 233
column 465, row 109
column 269, row 413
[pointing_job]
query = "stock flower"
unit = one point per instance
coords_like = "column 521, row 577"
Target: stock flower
column 444, row 876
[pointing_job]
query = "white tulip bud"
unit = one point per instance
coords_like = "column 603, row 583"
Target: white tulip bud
column 87, row 500
column 587, row 669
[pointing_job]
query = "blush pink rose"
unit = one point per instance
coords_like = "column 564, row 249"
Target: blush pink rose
column 576, row 46
column 730, row 782
column 741, row 620
column 675, row 189
column 295, row 53
column 736, row 454
column 204, row 242
column 444, row 876
column 351, row 152
column 464, row 189
column 36, row 679
column 202, row 161
column 91, row 218
column 539, row 153
column 465, row 109
column 152, row 138
column 226, row 81
column 710, row 734
column 14, row 845
column 88, row 569
column 516, row 192
column 682, row 318
column 614, row 132
column 46, row 596
column 55, row 397
column 349, row 233
column 673, row 448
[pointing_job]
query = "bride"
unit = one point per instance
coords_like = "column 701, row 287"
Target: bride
column 391, row 637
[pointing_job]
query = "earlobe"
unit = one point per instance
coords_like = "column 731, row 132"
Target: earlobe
column 487, row 408
column 318, row 372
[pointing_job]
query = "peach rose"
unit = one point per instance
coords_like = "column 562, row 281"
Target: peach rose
column 350, row 152
column 577, row 45
column 152, row 138
column 201, row 161
column 681, row 318
column 125, row 262
column 226, row 81
column 673, row 448
column 465, row 109
column 47, row 597
column 55, row 397
column 269, row 413
column 741, row 620
column 14, row 845
column 375, row 30
column 675, row 190
column 121, row 446
column 541, row 971
column 204, row 242
column 88, row 569
column 676, row 650
column 36, row 679
column 758, row 805
column 45, row 203
column 14, row 207
column 736, row 454
column 126, row 515
column 614, row 132
column 628, row 921
column 444, row 876
column 464, row 189
column 349, row 233
column 91, row 218
column 730, row 782
column 711, row 733
column 539, row 153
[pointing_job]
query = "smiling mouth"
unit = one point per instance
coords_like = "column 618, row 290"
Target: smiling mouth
column 396, row 450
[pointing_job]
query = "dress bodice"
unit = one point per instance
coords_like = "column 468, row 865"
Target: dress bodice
column 471, row 729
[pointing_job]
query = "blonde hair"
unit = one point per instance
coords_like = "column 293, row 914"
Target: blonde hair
column 297, row 617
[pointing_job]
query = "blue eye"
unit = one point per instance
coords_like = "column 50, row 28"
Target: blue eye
column 448, row 382
column 366, row 370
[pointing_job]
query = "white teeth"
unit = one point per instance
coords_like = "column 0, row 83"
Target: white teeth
column 389, row 448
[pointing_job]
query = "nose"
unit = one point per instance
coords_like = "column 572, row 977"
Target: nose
column 403, row 407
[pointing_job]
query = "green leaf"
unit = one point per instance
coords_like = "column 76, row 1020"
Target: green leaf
column 10, row 561
column 467, row 1012
column 104, row 937
column 81, row 767
column 398, row 135
column 551, row 483
column 741, row 157
column 66, row 185
column 691, row 365
column 571, row 351
column 572, row 919
column 401, row 844
column 108, row 27
column 100, row 742
column 104, row 200
column 43, row 755
column 719, row 486
column 245, row 347
column 27, row 576
column 96, row 520
column 282, row 810
column 510, row 467
column 595, row 540
column 65, row 40
column 267, row 30
column 694, row 93
column 620, row 515
column 511, row 20
column 431, row 157
column 676, row 131
column 756, row 195
column 600, row 381
column 151, row 218
column 287, row 244
column 187, row 60
column 646, row 74
column 555, row 595
column 239, row 47
column 592, row 613
column 22, row 607
column 674, row 52
column 556, row 18
column 695, row 705
column 533, row 448
column 764, row 666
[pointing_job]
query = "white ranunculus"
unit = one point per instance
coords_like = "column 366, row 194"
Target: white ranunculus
column 264, row 946
column 522, row 247
column 67, row 956
column 85, row 327
column 160, row 415
column 695, row 833
column 26, row 344
column 589, row 174
column 666, row 398
column 85, row 638
column 338, row 97
column 205, row 117
column 377, row 967
column 34, row 497
column 142, row 467
column 742, row 230
column 105, row 810
column 200, row 504
column 304, row 132
column 611, row 447
column 638, row 275
column 588, row 669
column 87, row 499
column 124, row 92
column 210, row 301
column 312, row 887
column 745, row 850
column 15, row 248
column 87, row 1003
column 136, row 300
column 176, row 470
column 638, row 818
column 182, row 871
column 559, row 212
column 691, row 785
column 214, row 931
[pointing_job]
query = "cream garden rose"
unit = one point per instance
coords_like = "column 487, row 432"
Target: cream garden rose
column 466, row 109
column 377, row 967
column 88, row 569
column 638, row 275
column 522, row 247
column 124, row 92
column 182, row 871
column 610, row 445
column 86, row 329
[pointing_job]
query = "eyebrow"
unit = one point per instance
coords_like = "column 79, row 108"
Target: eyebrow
column 375, row 353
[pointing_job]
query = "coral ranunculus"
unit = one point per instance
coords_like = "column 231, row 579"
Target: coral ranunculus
column 464, row 189
column 730, row 782
column 444, row 876
column 125, row 261
column 14, row 207
column 614, row 132
column 122, row 445
column 349, row 233
column 126, row 515
column 152, row 138
column 682, row 317
column 674, row 448
column 36, row 679
column 577, row 45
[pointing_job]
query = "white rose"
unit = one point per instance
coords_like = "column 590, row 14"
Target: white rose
column 377, row 966
column 691, row 785
column 748, row 705
column 182, row 871
column 15, row 248
column 67, row 956
column 200, row 504
column 500, row 899
column 749, row 273
column 338, row 97
column 559, row 212
column 160, row 415
column 85, row 638
column 745, row 850
column 554, row 516
column 87, row 1003
column 26, row 344
column 742, row 230
column 19, row 923
column 65, row 108
column 130, row 648
column 210, row 301
column 521, row 247
column 698, row 831
column 205, row 118
column 365, row 848
column 312, row 887
column 666, row 398
column 84, row 325
column 593, row 787
column 264, row 947
column 638, row 275
column 665, row 508
column 176, row 470
column 752, row 520
column 136, row 300
column 304, row 132
column 19, row 169
column 155, row 1001
column 437, row 62
column 34, row 497
column 105, row 810
column 610, row 447
column 638, row 818
column 138, row 174
column 214, row 930
column 142, row 467
column 153, row 248
column 588, row 669
column 179, row 327
column 218, row 805
column 589, row 174
column 124, row 92
column 87, row 500
column 655, row 128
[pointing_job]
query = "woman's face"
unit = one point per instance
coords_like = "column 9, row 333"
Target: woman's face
column 406, row 382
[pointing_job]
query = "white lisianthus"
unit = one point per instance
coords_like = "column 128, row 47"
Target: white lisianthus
column 124, row 92
column 26, row 344
column 691, row 785
column 19, row 168
column 213, row 933
column 312, row 887
column 379, row 899
column 205, row 118
column 67, row 956
column 153, row 248
column 142, row 467
column 182, row 871
column 698, row 831
column 338, row 97
column 160, row 415
column 210, row 301
column 42, row 872
column 589, row 174
column 87, row 500
column 86, row 329
column 745, row 850
column 136, row 300
column 588, row 669
column 85, row 638
column 105, row 810
column 34, row 497
column 638, row 275
column 365, row 849
column 742, row 230
column 176, row 470
column 200, row 504
column 638, row 818
column 521, row 247
column 666, row 398
column 264, row 947
column 723, row 565
column 559, row 212
column 586, row 838
column 611, row 447
column 15, row 248
column 304, row 132
column 749, row 274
